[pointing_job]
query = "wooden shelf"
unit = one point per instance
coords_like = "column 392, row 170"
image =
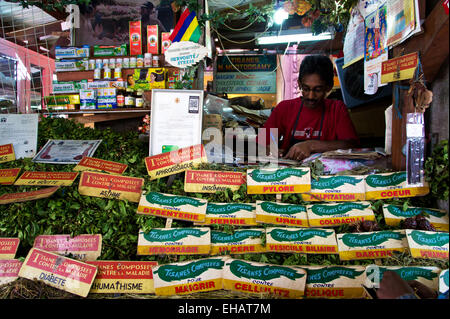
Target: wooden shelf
column 97, row 111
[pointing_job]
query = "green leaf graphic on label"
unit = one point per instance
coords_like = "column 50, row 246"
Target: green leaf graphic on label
column 276, row 176
column 436, row 239
column 227, row 209
column 163, row 235
column 386, row 180
column 161, row 199
column 334, row 182
column 267, row 272
column 170, row 273
column 237, row 236
column 327, row 210
column 280, row 234
column 270, row 207
column 406, row 273
column 413, row 211
column 328, row 274
column 373, row 239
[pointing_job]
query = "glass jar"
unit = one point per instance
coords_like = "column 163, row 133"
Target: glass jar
column 119, row 63
column 126, row 63
column 148, row 60
column 140, row 61
column 133, row 63
column 156, row 62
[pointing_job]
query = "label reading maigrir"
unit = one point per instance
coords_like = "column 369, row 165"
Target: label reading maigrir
column 371, row 245
column 8, row 175
column 428, row 244
column 95, row 164
column 301, row 240
column 57, row 271
column 175, row 241
column 82, row 247
column 278, row 180
column 123, row 277
column 7, row 153
column 239, row 214
column 331, row 215
column 336, row 189
column 443, row 281
column 173, row 206
column 281, row 214
column 208, row 181
column 9, row 270
column 189, row 277
column 8, row 247
column 47, row 178
column 241, row 241
column 394, row 214
column 391, row 185
column 251, row 277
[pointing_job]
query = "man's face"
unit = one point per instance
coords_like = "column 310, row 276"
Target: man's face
column 314, row 90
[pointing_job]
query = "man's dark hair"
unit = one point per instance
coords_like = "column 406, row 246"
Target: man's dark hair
column 317, row 64
column 148, row 5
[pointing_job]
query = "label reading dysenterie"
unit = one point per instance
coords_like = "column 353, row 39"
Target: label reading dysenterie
column 259, row 278
column 241, row 241
column 281, row 214
column 175, row 241
column 8, row 247
column 28, row 196
column 189, row 277
column 82, row 247
column 96, row 164
column 278, row 180
column 60, row 272
column 393, row 215
column 174, row 162
column 391, row 185
column 443, row 281
column 371, row 245
column 9, row 270
column 123, row 277
column 8, row 175
column 47, row 178
column 336, row 189
column 301, row 240
column 239, row 214
column 212, row 181
column 428, row 244
column 110, row 186
column 331, row 215
column 7, row 153
column 173, row 206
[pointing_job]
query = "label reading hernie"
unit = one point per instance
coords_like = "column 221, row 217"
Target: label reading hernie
column 239, row 214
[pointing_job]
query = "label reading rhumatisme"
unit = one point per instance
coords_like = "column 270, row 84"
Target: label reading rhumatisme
column 8, row 247
column 9, row 270
column 336, row 189
column 394, row 214
column 47, row 178
column 278, row 180
column 82, row 247
column 95, row 164
column 336, row 214
column 428, row 244
column 281, row 214
column 239, row 214
column 443, row 281
column 207, row 181
column 241, row 241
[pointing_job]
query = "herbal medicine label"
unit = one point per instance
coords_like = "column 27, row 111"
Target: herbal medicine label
column 391, row 185
column 428, row 244
column 238, row 214
column 336, row 214
column 7, row 153
column 241, row 241
column 8, row 247
column 8, row 175
column 278, row 180
column 94, row 164
column 336, row 189
column 281, row 214
column 208, row 181
column 9, row 270
column 46, row 178
column 83, row 247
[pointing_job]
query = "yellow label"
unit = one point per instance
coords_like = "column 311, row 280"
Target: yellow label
column 278, row 189
column 247, row 287
column 332, row 197
column 9, row 175
column 396, row 221
column 336, row 221
column 428, row 253
column 334, row 292
column 279, row 220
column 369, row 254
column 189, row 288
column 237, row 249
column 238, row 221
column 47, row 178
column 173, row 249
column 397, row 193
column 7, row 153
column 171, row 213
column 129, row 286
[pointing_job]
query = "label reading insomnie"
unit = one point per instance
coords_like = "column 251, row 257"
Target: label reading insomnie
column 428, row 244
column 281, row 214
column 241, row 241
column 278, row 180
column 336, row 189
column 96, row 164
column 212, row 181
column 331, row 215
column 82, row 247
column 47, row 178
column 239, row 214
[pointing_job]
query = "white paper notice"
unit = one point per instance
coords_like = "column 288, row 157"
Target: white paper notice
column 21, row 131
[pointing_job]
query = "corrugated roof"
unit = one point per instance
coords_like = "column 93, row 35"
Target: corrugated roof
column 14, row 16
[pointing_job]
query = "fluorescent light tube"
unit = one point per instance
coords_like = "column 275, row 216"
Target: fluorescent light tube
column 294, row 38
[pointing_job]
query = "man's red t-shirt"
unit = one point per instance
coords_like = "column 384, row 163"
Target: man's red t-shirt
column 336, row 125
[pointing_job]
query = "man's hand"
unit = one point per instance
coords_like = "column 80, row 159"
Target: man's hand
column 393, row 286
column 422, row 291
column 299, row 151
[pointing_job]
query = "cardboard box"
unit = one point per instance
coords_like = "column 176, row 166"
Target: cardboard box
column 147, row 79
column 135, row 34
column 165, row 41
column 152, row 39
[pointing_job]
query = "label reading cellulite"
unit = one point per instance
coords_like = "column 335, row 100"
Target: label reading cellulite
column 336, row 189
column 241, row 241
column 281, row 214
column 8, row 175
column 203, row 181
column 8, row 247
column 28, row 196
column 96, row 164
column 239, row 214
column 428, row 244
column 391, row 185
column 278, row 180
column 9, row 270
column 47, row 178
column 82, row 247
column 7, row 153
column 330, row 215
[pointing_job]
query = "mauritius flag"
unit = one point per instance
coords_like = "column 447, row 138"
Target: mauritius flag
column 187, row 28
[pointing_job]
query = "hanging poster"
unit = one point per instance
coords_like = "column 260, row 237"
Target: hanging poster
column 20, row 130
column 402, row 20
column 353, row 46
column 66, row 151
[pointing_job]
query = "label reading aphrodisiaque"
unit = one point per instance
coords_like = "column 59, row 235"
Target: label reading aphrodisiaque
column 393, row 215
column 8, row 247
column 8, row 175
column 175, row 241
column 241, row 241
column 335, row 282
column 173, row 206
column 7, row 153
column 123, row 277
column 95, row 164
column 47, row 178
column 443, row 281
column 81, row 247
column 391, row 185
column 301, row 240
column 9, row 270
column 281, row 214
column 189, row 277
column 174, row 162
column 278, row 180
column 239, row 214
column 336, row 189
column 428, row 244
column 252, row 277
column 27, row 196
column 371, row 245
column 330, row 215
column 212, row 181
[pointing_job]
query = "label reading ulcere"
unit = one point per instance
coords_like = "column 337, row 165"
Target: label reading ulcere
column 278, row 180
column 331, row 215
column 391, row 185
column 281, row 214
column 242, row 241
column 393, row 215
column 239, row 214
column 428, row 244
column 336, row 189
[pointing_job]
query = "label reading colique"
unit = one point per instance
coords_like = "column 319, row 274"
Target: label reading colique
column 123, row 277
column 96, row 164
column 110, row 186
column 175, row 241
column 47, row 178
column 428, row 244
column 174, row 162
column 242, row 241
column 8, row 175
column 336, row 188
column 281, row 214
column 278, row 180
column 173, row 206
column 212, row 181
column 188, row 277
column 27, row 196
column 371, row 245
column 9, row 270
column 443, row 281
column 330, row 215
column 335, row 281
column 301, row 240
column 252, row 277
column 391, row 185
column 240, row 214
column 393, row 215
column 7, row 153
column 60, row 272
column 8, row 247
column 82, row 247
